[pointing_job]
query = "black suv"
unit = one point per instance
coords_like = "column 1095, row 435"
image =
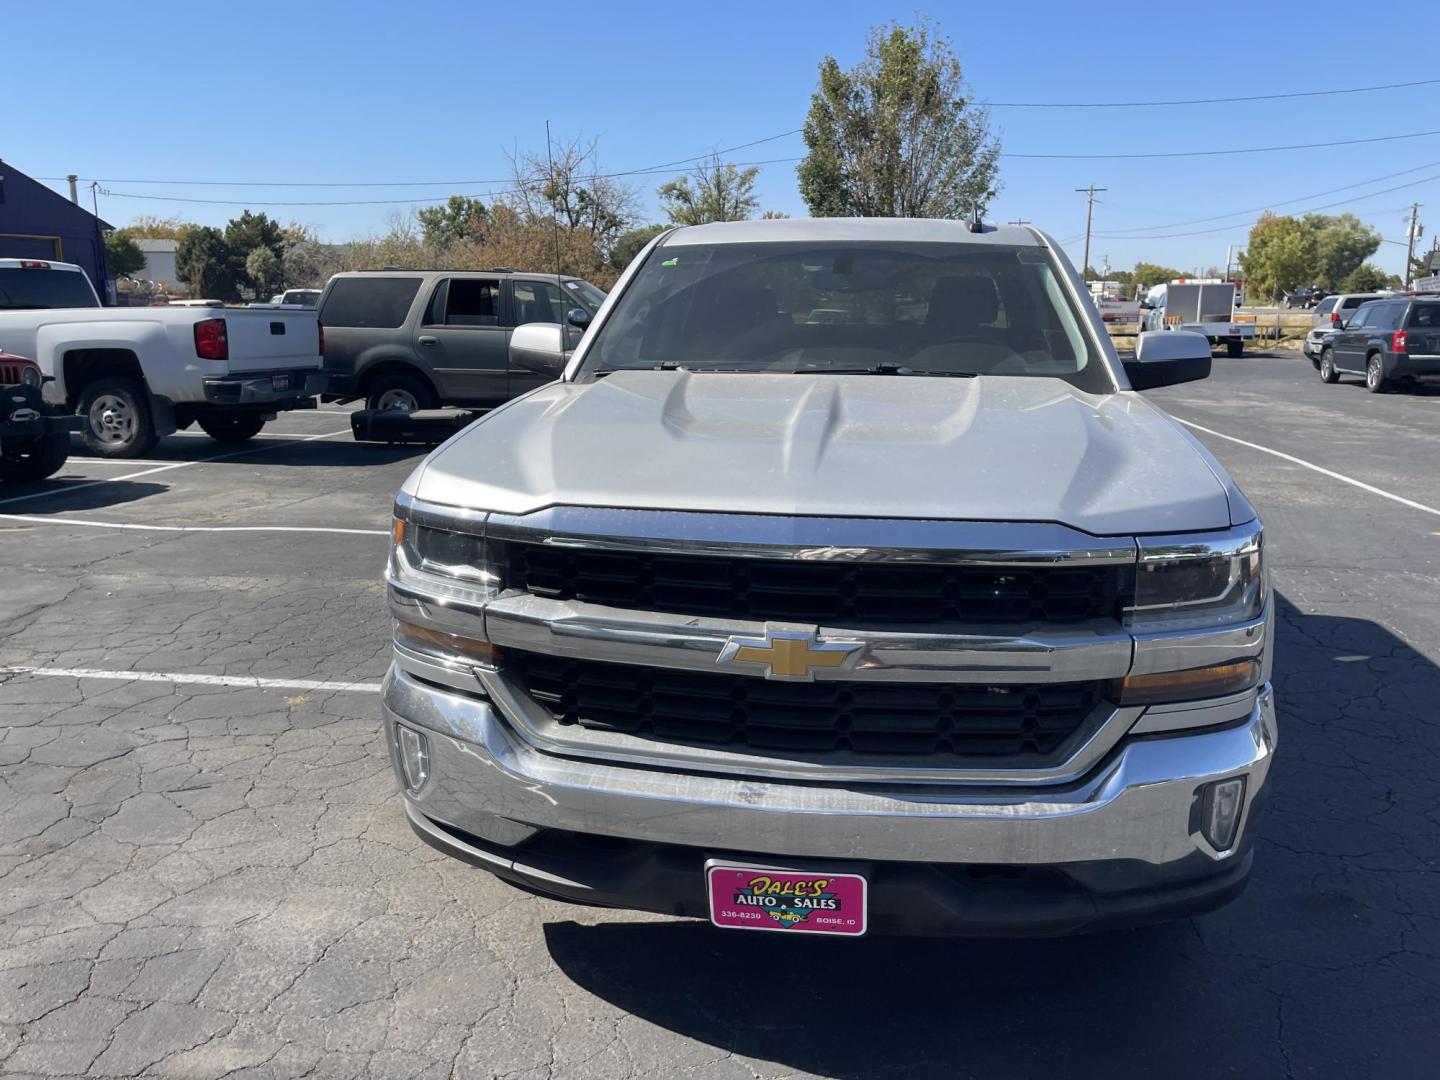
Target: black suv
column 1396, row 339
column 418, row 339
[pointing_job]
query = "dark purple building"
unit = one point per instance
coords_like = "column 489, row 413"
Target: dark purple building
column 38, row 223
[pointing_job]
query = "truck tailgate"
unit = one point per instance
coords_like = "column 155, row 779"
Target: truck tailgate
column 268, row 340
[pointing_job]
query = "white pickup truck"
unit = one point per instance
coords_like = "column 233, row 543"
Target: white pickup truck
column 136, row 374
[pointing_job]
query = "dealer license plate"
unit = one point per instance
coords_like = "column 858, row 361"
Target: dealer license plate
column 786, row 901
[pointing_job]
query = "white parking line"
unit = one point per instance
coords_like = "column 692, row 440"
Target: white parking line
column 246, row 681
column 41, row 520
column 273, row 445
column 1317, row 468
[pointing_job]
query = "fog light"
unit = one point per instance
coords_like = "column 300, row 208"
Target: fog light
column 1220, row 810
column 414, row 756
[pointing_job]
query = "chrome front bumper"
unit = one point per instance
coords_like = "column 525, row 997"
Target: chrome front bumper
column 1137, row 806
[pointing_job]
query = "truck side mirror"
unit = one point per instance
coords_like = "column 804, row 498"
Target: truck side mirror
column 1168, row 357
column 578, row 317
column 539, row 347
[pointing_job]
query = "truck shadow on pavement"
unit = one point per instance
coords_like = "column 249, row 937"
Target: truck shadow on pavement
column 1325, row 966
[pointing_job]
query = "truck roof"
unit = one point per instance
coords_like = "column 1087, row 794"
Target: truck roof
column 895, row 230
column 42, row 264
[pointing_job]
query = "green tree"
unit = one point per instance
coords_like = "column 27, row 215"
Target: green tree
column 711, row 192
column 122, row 255
column 899, row 134
column 1282, row 254
column 631, row 243
column 459, row 218
column 250, row 231
column 265, row 271
column 1367, row 277
column 207, row 264
column 1148, row 274
column 1342, row 243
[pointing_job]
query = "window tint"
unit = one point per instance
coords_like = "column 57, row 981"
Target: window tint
column 1350, row 303
column 796, row 307
column 589, row 295
column 30, row 287
column 1325, row 307
column 1425, row 315
column 1389, row 316
column 539, row 301
column 1361, row 317
column 473, row 302
column 381, row 302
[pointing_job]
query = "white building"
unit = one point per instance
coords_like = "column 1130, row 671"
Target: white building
column 159, row 261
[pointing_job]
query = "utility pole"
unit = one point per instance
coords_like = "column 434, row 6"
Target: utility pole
column 95, row 196
column 1410, row 242
column 1089, row 193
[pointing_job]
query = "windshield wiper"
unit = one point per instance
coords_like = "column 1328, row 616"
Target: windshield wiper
column 887, row 368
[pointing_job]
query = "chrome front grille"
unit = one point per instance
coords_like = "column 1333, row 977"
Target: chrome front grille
column 1021, row 724
column 827, row 593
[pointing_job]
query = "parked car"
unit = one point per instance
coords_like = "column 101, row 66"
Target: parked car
column 419, row 339
column 1299, row 298
column 1396, row 339
column 936, row 614
column 296, row 298
column 34, row 436
column 136, row 374
column 1330, row 314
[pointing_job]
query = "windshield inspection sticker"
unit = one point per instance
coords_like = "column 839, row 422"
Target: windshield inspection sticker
column 755, row 898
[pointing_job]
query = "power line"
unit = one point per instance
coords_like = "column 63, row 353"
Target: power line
column 429, row 183
column 1218, row 153
column 1201, row 101
column 1246, row 225
column 405, row 202
column 1120, row 233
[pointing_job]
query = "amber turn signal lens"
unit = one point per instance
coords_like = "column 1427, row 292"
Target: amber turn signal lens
column 1192, row 685
column 398, row 531
column 449, row 646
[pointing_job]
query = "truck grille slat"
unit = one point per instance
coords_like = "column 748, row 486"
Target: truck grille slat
column 1026, row 723
column 827, row 593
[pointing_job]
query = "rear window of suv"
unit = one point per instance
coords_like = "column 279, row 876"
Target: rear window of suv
column 1427, row 315
column 378, row 302
column 1325, row 307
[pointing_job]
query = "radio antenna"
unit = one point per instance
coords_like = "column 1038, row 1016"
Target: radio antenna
column 555, row 223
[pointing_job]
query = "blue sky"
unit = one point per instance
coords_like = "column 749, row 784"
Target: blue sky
column 438, row 91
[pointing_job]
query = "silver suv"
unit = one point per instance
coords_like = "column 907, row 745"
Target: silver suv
column 1331, row 314
column 843, row 583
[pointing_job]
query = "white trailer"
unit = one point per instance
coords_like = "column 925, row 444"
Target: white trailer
column 1202, row 307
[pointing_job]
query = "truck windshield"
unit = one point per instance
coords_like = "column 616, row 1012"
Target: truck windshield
column 918, row 308
column 28, row 288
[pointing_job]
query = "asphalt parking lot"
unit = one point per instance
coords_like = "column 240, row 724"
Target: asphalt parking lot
column 206, row 871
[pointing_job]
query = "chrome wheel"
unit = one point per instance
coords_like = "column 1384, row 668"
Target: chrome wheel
column 397, row 398
column 1327, row 367
column 1374, row 376
column 112, row 420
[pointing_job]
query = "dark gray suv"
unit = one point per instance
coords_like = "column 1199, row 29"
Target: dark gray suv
column 1387, row 341
column 418, row 339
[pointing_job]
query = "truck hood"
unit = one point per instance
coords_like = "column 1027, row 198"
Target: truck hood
column 992, row 448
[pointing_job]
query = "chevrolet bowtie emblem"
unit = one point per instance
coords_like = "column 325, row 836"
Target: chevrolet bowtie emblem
column 789, row 654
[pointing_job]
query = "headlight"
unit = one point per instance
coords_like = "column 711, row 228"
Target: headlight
column 461, row 556
column 30, row 376
column 1195, row 582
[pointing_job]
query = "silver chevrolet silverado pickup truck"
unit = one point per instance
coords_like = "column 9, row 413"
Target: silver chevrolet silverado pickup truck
column 841, row 583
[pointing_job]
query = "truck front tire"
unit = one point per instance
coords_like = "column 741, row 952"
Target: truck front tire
column 118, row 422
column 35, row 461
column 233, row 427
